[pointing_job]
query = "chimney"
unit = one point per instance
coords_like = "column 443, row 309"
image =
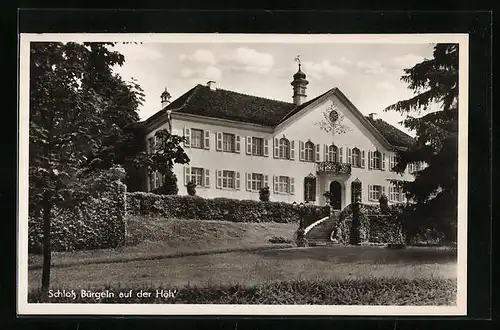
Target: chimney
column 212, row 85
column 373, row 115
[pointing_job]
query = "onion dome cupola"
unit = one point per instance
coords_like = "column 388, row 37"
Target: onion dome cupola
column 165, row 98
column 299, row 84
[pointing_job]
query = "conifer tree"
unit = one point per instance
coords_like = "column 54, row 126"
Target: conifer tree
column 434, row 190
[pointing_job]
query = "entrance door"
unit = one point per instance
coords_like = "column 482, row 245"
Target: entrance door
column 335, row 195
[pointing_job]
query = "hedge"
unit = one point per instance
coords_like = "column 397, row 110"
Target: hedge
column 195, row 207
column 95, row 223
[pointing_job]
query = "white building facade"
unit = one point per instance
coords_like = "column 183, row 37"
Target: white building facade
column 234, row 152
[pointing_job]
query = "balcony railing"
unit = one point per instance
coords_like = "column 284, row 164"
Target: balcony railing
column 333, row 167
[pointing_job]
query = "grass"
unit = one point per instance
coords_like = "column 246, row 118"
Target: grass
column 371, row 291
column 157, row 237
column 254, row 268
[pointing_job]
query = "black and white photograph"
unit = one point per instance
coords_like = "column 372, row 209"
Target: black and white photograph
column 220, row 174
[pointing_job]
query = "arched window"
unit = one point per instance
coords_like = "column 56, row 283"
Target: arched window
column 284, row 148
column 332, row 153
column 356, row 157
column 309, row 151
column 377, row 159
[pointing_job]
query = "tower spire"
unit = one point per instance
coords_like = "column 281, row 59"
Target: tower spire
column 299, row 84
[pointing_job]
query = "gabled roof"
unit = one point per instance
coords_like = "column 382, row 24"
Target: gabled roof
column 223, row 104
column 393, row 135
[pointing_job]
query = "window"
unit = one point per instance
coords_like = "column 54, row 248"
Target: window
column 197, row 138
column 356, row 157
column 392, row 162
column 283, row 184
column 395, row 193
column 150, row 145
column 257, row 146
column 310, row 189
column 256, row 181
column 228, row 142
column 284, row 149
column 375, row 192
column 197, row 176
column 332, row 153
column 309, row 151
column 377, row 159
column 227, row 179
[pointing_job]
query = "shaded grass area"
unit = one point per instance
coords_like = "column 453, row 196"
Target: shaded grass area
column 157, row 237
column 370, row 291
column 255, row 268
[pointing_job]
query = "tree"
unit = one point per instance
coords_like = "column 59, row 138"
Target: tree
column 166, row 152
column 434, row 190
column 77, row 108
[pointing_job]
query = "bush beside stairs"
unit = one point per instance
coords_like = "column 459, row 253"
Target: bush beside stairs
column 320, row 231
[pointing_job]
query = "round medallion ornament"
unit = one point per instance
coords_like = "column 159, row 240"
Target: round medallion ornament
column 334, row 116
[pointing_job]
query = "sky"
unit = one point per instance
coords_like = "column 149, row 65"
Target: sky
column 368, row 74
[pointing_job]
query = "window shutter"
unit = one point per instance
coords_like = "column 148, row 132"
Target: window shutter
column 207, row 177
column 292, row 150
column 187, row 175
column 249, row 145
column 266, row 147
column 237, row 147
column 218, row 144
column 383, row 161
column 325, row 152
column 370, row 159
column 265, row 183
column 276, row 148
column 218, row 179
column 370, row 192
column 275, row 183
column 302, row 151
column 314, row 190
column 292, row 185
column 249, row 181
column 317, row 153
column 206, row 145
column 237, row 180
column 341, row 155
column 187, row 135
column 349, row 155
column 363, row 163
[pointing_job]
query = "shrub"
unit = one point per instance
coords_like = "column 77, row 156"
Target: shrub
column 94, row 223
column 191, row 188
column 264, row 194
column 194, row 207
column 279, row 240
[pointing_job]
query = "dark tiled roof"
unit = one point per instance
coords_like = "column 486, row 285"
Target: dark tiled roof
column 230, row 105
column 394, row 136
column 224, row 104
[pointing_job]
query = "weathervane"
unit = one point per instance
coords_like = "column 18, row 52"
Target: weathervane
column 297, row 59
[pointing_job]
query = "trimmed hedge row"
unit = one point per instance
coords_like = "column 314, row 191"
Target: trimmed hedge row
column 96, row 223
column 195, row 207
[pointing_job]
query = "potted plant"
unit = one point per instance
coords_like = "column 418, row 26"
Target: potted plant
column 264, row 194
column 191, row 188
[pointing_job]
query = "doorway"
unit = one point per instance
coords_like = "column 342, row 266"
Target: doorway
column 336, row 195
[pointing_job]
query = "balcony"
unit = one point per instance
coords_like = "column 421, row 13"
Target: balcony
column 333, row 167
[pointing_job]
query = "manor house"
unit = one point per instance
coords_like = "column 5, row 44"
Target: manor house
column 239, row 143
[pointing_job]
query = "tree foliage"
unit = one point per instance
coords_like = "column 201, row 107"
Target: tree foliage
column 83, row 121
column 434, row 190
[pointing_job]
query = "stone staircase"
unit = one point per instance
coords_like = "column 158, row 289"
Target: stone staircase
column 319, row 232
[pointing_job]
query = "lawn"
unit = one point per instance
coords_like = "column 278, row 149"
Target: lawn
column 251, row 268
column 150, row 237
